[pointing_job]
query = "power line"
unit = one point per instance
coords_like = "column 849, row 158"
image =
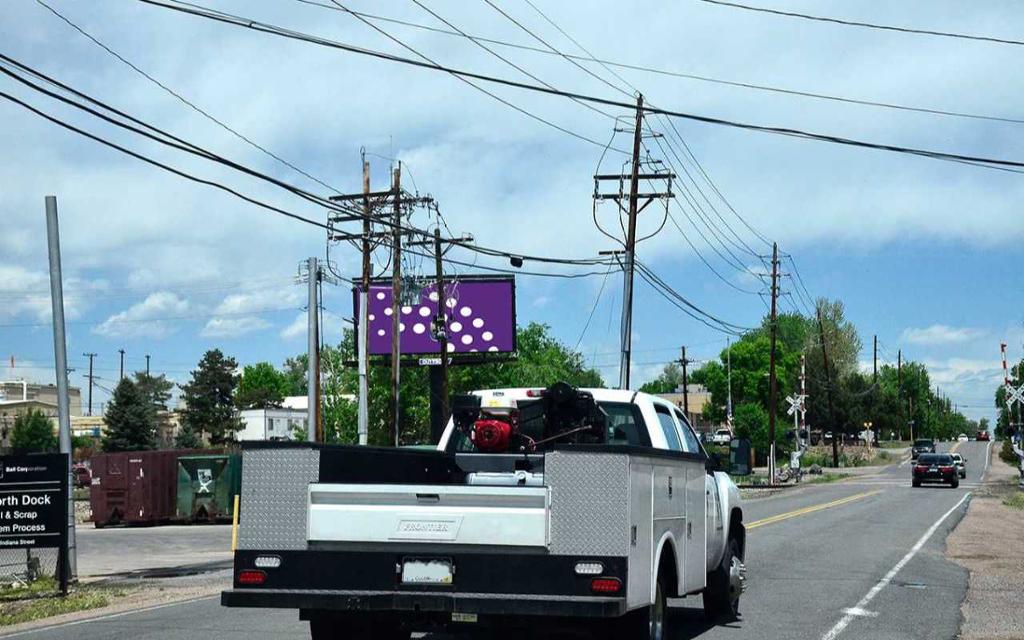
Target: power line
column 679, row 74
column 184, row 100
column 999, row 164
column 869, row 25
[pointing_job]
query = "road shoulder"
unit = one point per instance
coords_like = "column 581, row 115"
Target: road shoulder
column 988, row 544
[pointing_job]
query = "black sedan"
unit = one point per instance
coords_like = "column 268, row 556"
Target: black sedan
column 936, row 467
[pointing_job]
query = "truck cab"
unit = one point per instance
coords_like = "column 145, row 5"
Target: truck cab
column 509, row 523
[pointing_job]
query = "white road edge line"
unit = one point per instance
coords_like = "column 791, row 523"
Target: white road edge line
column 108, row 616
column 834, row 632
column 988, row 453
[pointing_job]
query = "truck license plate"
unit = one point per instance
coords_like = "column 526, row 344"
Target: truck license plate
column 426, row 572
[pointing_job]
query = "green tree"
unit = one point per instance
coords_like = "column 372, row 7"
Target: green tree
column 131, row 420
column 750, row 421
column 156, row 389
column 209, row 398
column 33, row 433
column 261, row 387
column 187, row 438
column 670, row 379
column 295, row 375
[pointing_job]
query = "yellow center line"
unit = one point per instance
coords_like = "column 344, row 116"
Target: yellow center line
column 811, row 509
column 954, row 447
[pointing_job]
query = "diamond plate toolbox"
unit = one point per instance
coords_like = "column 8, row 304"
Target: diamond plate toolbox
column 275, row 487
column 589, row 503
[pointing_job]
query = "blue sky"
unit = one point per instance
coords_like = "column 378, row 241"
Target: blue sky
column 925, row 254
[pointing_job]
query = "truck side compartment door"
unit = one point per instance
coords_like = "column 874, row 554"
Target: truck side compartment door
column 697, row 533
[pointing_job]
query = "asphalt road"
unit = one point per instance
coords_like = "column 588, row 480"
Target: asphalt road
column 860, row 558
column 129, row 550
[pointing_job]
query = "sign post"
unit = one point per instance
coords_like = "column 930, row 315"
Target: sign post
column 34, row 506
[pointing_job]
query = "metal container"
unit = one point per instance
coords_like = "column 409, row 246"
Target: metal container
column 207, row 486
column 135, row 487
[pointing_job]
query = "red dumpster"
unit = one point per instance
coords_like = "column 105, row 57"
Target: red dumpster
column 135, row 487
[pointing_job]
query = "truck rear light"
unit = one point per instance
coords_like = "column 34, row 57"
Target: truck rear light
column 267, row 562
column 920, row 468
column 945, row 469
column 534, row 393
column 589, row 568
column 251, row 577
column 605, row 585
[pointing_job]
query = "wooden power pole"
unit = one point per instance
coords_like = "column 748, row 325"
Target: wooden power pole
column 686, row 384
column 772, row 382
column 396, row 305
column 828, row 388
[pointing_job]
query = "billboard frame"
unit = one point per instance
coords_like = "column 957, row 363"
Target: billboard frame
column 431, row 359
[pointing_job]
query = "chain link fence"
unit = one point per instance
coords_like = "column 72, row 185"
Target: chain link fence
column 28, row 573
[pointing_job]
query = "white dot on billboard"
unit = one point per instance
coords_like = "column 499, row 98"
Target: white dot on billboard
column 466, row 312
column 418, row 328
column 487, row 336
column 380, row 295
column 433, row 296
column 492, row 348
column 388, row 311
column 456, row 326
column 401, row 326
column 474, row 350
column 372, row 317
column 406, row 310
column 451, row 302
column 380, row 332
column 467, row 339
column 451, row 347
column 478, row 322
column 424, row 311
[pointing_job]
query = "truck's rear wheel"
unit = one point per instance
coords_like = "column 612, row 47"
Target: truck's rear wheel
column 330, row 628
column 649, row 623
column 725, row 584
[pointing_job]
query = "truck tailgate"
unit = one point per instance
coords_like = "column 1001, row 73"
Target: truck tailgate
column 447, row 514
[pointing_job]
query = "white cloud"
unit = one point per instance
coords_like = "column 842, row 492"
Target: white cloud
column 940, row 334
column 222, row 327
column 154, row 317
column 241, row 313
column 299, row 327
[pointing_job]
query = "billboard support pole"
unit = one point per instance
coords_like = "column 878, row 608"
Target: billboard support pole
column 439, row 387
column 396, row 308
column 68, row 556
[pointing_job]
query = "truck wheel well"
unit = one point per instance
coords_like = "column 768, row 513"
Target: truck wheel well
column 667, row 569
column 737, row 531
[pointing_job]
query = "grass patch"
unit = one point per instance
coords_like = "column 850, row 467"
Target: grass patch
column 893, row 444
column 1016, row 501
column 753, row 479
column 38, row 601
column 827, row 477
column 1007, row 454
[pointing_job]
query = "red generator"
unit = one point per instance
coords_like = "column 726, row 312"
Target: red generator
column 135, row 487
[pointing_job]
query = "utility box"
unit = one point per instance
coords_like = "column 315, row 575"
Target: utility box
column 207, row 486
column 135, row 487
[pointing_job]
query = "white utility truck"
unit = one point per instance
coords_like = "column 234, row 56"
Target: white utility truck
column 539, row 509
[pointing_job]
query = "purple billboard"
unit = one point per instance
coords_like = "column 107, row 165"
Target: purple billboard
column 481, row 318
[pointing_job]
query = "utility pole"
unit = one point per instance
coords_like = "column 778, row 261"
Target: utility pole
column 633, row 208
column 90, row 376
column 828, row 389
column 772, row 382
column 627, row 291
column 686, row 384
column 364, row 316
column 69, row 565
column 396, row 307
column 874, row 392
column 899, row 389
column 147, row 365
column 313, row 353
column 728, row 380
column 121, row 351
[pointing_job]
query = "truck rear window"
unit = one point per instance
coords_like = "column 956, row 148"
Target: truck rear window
column 625, row 427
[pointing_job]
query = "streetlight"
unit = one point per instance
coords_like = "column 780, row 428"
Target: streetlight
column 867, row 427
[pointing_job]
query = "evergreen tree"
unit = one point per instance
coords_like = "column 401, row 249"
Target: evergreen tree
column 131, row 420
column 209, row 398
column 33, row 433
column 187, row 438
column 156, row 389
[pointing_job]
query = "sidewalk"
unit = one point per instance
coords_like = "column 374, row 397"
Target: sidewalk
column 988, row 543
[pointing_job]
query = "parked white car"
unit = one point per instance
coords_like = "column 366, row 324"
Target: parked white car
column 722, row 436
column 962, row 437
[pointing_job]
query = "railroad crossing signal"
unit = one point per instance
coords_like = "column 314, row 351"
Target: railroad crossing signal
column 796, row 403
column 1014, row 395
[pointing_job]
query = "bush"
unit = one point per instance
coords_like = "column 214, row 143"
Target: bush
column 1007, row 454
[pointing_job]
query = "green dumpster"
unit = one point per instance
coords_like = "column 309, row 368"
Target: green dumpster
column 207, row 486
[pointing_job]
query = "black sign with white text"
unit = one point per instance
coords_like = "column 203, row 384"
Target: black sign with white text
column 33, row 501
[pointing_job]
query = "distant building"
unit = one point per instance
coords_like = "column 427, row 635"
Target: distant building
column 698, row 397
column 22, row 391
column 271, row 424
column 88, row 426
column 168, row 425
